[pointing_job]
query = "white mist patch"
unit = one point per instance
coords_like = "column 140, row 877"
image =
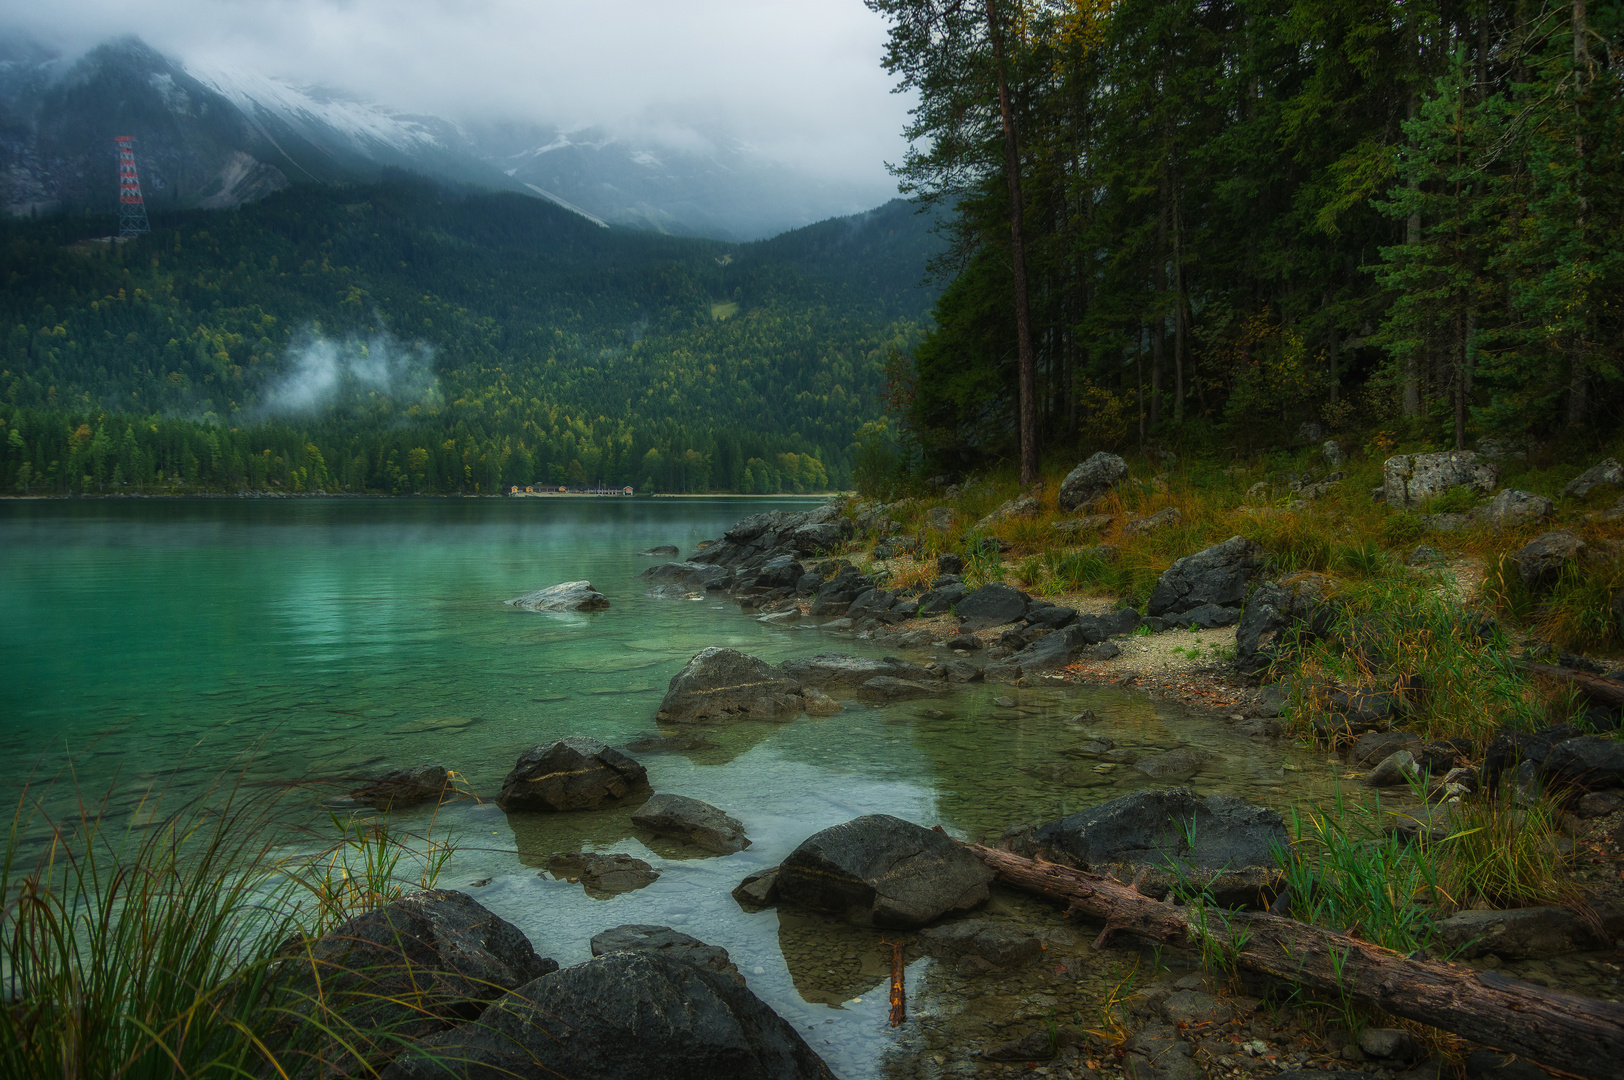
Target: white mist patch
column 323, row 373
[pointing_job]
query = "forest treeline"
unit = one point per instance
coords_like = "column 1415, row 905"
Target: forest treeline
column 1213, row 222
column 403, row 337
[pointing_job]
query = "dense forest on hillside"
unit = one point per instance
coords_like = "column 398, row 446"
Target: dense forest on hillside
column 1240, row 217
column 402, row 337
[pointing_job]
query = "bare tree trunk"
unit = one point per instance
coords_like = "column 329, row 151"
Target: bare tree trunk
column 1180, row 312
column 1561, row 1030
column 1579, row 374
column 1017, row 246
column 1412, row 360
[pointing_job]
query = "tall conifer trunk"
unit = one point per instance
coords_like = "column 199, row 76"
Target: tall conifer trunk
column 1017, row 247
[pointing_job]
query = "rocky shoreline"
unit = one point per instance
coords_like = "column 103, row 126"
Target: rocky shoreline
column 881, row 872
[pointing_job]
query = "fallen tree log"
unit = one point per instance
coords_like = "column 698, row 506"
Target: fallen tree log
column 1601, row 690
column 1563, row 1031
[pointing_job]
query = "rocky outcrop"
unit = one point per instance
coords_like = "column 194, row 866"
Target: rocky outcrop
column 1218, row 840
column 568, row 596
column 882, row 871
column 639, row 1015
column 698, row 823
column 404, row 787
column 718, row 684
column 410, row 968
column 760, row 537
column 942, row 599
column 1280, row 619
column 1540, row 561
column 572, row 774
column 1608, row 473
column 666, row 942
column 1218, row 575
column 603, row 874
column 1512, row 508
column 780, row 572
column 994, row 604
column 1093, row 478
column 661, row 551
column 1415, row 478
column 835, row 595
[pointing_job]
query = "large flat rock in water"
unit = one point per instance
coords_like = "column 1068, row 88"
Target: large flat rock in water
column 828, row 670
column 567, row 596
column 879, row 870
column 639, row 1015
column 717, row 684
column 571, row 774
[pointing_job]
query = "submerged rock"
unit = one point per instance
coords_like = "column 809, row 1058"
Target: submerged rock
column 882, row 871
column 567, row 596
column 661, row 550
column 641, row 1015
column 610, row 874
column 571, row 774
column 697, row 822
column 404, row 787
column 718, row 684
column 827, row 670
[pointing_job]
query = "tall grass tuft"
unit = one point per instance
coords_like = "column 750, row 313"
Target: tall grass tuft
column 153, row 952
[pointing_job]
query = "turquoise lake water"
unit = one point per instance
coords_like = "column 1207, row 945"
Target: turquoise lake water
column 158, row 644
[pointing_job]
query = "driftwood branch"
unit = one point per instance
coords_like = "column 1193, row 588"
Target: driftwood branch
column 1602, row 691
column 1560, row 1030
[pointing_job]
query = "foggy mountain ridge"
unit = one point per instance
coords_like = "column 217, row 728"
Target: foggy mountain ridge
column 216, row 138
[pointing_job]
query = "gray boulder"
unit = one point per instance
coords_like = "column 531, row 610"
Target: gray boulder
column 1607, row 474
column 1022, row 507
column 1280, row 619
column 1078, row 526
column 1093, row 629
column 1540, row 561
column 678, row 578
column 1218, row 575
column 667, row 942
column 417, row 965
column 1394, row 770
column 1146, row 525
column 603, row 875
column 994, row 604
column 1589, row 761
column 697, row 822
column 403, row 787
column 882, row 871
column 941, row 600
column 1512, row 508
column 661, row 550
column 1209, row 617
column 567, row 596
column 780, row 572
column 1093, row 478
column 828, row 670
column 1415, row 478
column 1220, row 839
column 1517, row 934
column 1332, row 452
column 572, row 774
column 1053, row 650
column 717, row 684
column 639, row 1015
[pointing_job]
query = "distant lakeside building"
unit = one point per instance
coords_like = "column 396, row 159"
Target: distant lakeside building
column 549, row 489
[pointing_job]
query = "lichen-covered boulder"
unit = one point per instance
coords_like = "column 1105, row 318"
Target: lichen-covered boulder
column 1414, row 478
column 1608, row 473
column 1511, row 508
column 881, row 871
column 720, row 684
column 578, row 773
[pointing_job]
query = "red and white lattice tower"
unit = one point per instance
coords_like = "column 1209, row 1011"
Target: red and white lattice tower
column 132, row 212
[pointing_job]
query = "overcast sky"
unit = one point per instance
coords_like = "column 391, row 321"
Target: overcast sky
column 800, row 79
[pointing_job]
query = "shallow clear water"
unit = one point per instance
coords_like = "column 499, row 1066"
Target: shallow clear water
column 167, row 641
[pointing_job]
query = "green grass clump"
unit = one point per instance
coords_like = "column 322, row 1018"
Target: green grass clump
column 160, row 951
